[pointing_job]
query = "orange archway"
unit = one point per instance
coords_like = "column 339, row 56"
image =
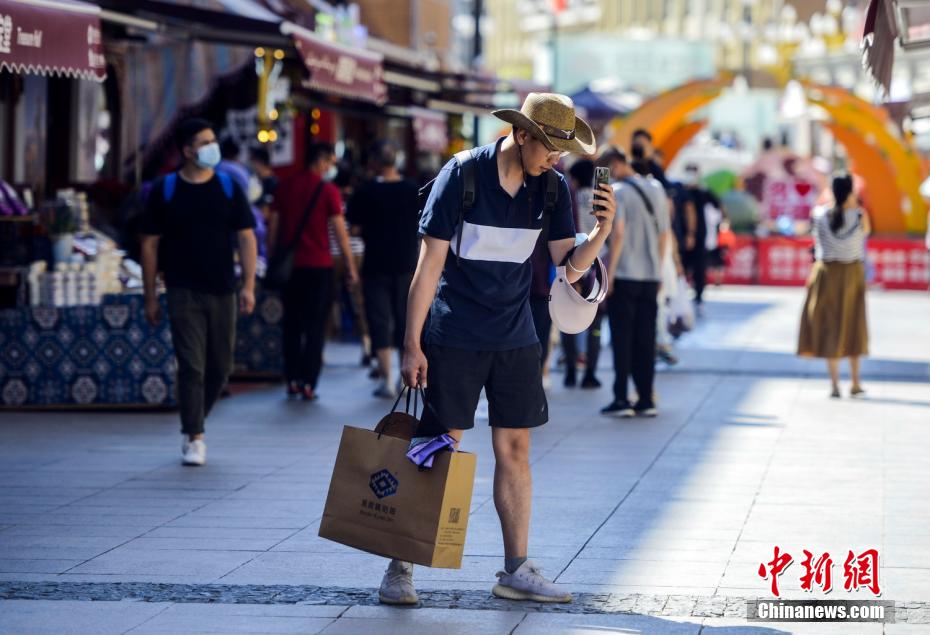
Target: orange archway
column 885, row 159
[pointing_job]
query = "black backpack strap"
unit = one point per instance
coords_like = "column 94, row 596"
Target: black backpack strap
column 466, row 161
column 551, row 197
column 552, row 191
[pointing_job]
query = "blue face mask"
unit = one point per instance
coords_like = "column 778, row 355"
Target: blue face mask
column 208, row 156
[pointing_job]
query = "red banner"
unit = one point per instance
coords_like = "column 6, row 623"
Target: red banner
column 48, row 37
column 892, row 263
column 337, row 69
column 899, row 263
column 742, row 260
column 785, row 261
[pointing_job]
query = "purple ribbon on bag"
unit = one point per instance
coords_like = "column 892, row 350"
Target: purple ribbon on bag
column 422, row 454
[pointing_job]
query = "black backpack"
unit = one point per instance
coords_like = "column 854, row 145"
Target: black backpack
column 466, row 161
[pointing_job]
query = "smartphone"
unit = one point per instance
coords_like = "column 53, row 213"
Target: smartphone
column 601, row 176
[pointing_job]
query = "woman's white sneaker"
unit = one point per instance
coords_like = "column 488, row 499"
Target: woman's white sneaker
column 194, row 452
column 397, row 584
column 527, row 583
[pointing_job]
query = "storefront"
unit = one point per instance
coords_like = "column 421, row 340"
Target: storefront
column 73, row 332
column 52, row 68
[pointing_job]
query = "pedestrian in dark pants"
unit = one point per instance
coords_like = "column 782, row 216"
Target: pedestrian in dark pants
column 384, row 212
column 307, row 294
column 635, row 271
column 592, row 354
column 193, row 215
column 694, row 255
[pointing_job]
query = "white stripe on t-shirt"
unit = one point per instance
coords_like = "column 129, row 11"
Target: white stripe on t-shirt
column 496, row 244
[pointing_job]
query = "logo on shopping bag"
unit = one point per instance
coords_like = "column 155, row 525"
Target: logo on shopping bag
column 454, row 515
column 383, row 484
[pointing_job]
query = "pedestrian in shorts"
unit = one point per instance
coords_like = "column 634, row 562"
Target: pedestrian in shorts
column 475, row 286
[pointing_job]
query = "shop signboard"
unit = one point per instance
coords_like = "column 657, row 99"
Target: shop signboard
column 59, row 38
column 338, row 69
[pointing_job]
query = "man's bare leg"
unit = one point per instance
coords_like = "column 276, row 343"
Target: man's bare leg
column 513, row 488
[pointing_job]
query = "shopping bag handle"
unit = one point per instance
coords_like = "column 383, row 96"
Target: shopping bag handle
column 388, row 422
column 417, row 394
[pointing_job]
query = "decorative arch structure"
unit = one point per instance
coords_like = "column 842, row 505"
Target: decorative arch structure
column 886, row 160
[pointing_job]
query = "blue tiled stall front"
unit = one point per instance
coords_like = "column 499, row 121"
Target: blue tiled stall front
column 85, row 355
column 259, row 338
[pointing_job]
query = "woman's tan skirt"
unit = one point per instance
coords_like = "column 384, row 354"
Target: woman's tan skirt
column 833, row 322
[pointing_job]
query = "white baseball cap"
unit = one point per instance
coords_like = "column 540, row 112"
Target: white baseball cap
column 570, row 311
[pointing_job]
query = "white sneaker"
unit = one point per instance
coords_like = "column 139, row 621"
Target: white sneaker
column 397, row 584
column 527, row 583
column 194, row 452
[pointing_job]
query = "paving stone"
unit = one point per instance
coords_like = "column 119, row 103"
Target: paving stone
column 74, row 617
column 665, row 519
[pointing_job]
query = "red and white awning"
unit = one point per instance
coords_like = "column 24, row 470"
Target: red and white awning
column 338, row 69
column 52, row 37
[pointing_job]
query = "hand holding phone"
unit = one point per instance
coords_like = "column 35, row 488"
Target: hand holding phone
column 601, row 177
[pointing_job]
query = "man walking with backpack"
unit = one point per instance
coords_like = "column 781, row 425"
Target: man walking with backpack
column 193, row 214
column 634, row 272
column 482, row 219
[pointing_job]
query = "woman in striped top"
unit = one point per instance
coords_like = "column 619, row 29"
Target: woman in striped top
column 833, row 323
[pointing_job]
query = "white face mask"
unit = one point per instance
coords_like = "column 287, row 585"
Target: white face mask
column 331, row 173
column 208, row 156
column 690, row 178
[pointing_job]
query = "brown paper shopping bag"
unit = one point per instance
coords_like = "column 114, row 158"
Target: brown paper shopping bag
column 380, row 502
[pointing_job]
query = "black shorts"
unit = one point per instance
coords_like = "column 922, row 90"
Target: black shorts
column 512, row 381
column 386, row 308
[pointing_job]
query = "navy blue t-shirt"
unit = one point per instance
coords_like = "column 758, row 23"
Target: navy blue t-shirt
column 482, row 303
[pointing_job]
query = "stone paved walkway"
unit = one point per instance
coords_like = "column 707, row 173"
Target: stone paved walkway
column 656, row 526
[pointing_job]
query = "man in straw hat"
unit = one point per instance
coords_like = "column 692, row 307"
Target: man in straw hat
column 480, row 332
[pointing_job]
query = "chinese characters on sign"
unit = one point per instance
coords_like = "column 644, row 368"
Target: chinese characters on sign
column 337, row 69
column 859, row 571
column 892, row 263
column 785, row 261
column 789, row 197
column 378, row 507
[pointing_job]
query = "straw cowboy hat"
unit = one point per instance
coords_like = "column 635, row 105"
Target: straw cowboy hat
column 550, row 117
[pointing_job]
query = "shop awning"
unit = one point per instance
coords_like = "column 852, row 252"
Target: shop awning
column 235, row 22
column 338, row 69
column 51, row 37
